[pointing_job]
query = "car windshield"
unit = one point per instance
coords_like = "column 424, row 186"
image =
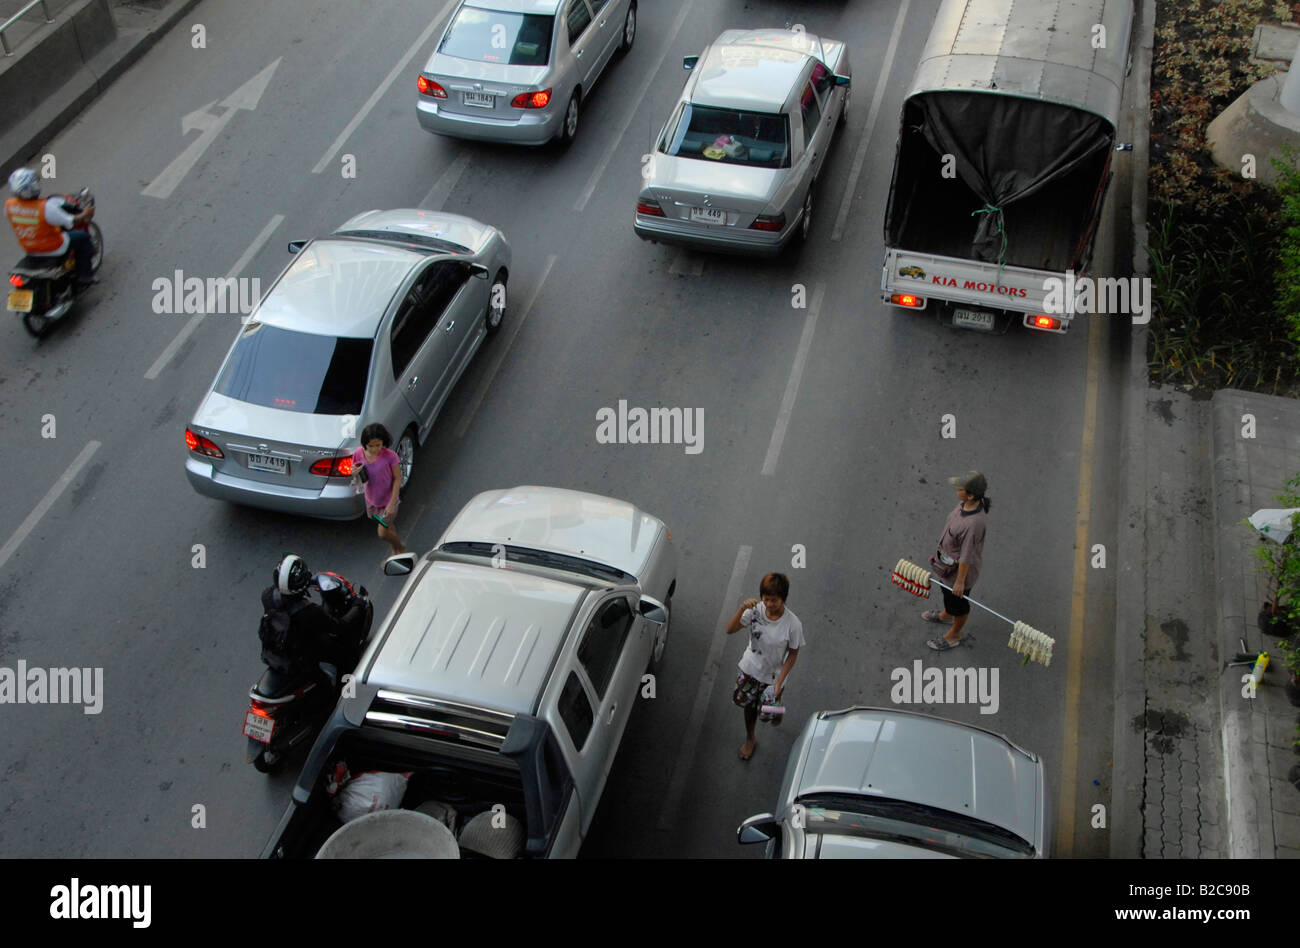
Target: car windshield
column 912, row 824
column 728, row 136
column 492, row 36
column 297, row 371
column 572, row 564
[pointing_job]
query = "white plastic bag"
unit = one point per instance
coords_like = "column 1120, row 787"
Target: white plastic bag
column 368, row 792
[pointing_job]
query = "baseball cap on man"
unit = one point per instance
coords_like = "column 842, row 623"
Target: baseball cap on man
column 972, row 482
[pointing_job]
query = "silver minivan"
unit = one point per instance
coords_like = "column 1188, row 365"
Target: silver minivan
column 883, row 783
column 517, row 71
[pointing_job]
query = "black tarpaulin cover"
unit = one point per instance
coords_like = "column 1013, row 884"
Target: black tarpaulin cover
column 1007, row 148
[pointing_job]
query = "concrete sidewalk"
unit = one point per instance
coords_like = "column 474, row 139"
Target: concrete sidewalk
column 59, row 68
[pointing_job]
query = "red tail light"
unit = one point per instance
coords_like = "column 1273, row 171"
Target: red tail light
column 17, row 280
column 1043, row 321
column 201, row 445
column 532, row 100
column 906, row 299
column 773, row 222
column 429, row 87
column 333, row 467
column 649, row 208
column 261, row 710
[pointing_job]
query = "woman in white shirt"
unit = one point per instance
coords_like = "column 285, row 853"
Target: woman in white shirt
column 775, row 637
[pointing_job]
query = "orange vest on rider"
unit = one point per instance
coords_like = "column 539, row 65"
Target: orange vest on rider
column 34, row 232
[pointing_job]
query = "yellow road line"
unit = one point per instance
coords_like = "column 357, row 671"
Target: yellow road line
column 1064, row 846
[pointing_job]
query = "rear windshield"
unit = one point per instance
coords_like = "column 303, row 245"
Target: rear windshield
column 297, row 371
column 491, row 36
column 727, row 136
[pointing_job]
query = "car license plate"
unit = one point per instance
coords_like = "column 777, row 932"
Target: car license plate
column 708, row 215
column 479, row 99
column 264, row 462
column 259, row 727
column 20, row 301
column 969, row 319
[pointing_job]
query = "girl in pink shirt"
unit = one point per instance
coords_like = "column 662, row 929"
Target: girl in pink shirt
column 383, row 477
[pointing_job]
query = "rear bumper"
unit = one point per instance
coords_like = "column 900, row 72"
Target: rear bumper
column 534, row 126
column 749, row 243
column 334, row 502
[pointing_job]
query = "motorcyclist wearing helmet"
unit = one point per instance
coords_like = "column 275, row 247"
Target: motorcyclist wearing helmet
column 314, row 635
column 45, row 228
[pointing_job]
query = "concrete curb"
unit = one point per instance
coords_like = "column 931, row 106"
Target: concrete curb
column 1228, row 451
column 66, row 102
column 1129, row 754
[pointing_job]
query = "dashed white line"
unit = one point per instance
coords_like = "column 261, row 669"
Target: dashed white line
column 402, row 65
column 244, row 260
column 33, row 518
column 796, row 375
column 446, row 183
column 691, row 736
column 861, row 157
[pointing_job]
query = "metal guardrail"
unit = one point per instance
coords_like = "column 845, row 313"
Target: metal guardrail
column 15, row 18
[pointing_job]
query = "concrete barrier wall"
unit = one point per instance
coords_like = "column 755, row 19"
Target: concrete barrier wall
column 51, row 57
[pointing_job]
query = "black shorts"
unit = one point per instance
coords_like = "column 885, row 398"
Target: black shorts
column 955, row 606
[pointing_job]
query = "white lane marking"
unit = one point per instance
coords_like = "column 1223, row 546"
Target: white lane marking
column 174, row 346
column 486, row 384
column 861, row 157
column 686, row 263
column 796, row 375
column 33, row 518
column 445, row 184
column 691, row 736
column 378, row 94
column 630, row 113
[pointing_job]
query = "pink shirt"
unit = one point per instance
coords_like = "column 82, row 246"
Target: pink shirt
column 379, row 489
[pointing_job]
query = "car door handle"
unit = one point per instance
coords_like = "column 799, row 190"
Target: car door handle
column 612, row 709
column 450, row 326
column 578, row 53
column 415, row 380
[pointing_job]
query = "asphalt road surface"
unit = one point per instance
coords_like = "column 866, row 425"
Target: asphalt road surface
column 822, row 430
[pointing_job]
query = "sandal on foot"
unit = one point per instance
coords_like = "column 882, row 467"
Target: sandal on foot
column 931, row 615
column 751, row 751
column 941, row 644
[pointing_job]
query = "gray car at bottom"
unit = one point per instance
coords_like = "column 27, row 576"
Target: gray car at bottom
column 374, row 323
column 882, row 783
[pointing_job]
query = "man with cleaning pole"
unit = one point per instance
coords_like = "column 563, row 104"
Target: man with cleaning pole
column 959, row 556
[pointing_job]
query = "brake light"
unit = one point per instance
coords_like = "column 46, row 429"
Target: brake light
column 649, row 208
column 772, row 222
column 260, row 709
column 16, row 279
column 1043, row 321
column 907, row 299
column 201, row 445
column 532, row 100
column 429, row 87
column 333, row 467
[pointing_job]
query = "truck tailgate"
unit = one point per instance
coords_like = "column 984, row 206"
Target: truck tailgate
column 971, row 282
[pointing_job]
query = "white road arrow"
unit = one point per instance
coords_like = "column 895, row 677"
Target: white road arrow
column 210, row 126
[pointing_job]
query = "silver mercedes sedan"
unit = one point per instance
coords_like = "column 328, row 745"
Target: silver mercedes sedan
column 736, row 167
column 517, row 71
column 374, row 323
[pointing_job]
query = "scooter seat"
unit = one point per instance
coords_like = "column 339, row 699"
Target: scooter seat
column 45, row 268
column 274, row 684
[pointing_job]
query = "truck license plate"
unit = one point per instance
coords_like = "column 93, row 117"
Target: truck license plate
column 970, row 319
column 259, row 727
column 20, row 301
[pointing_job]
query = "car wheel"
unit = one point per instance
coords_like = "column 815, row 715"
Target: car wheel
column 844, row 112
column 629, row 30
column 406, row 455
column 569, row 125
column 661, row 644
column 806, row 215
column 496, row 308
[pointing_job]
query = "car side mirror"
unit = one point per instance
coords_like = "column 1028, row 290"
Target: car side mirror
column 843, row 80
column 757, row 829
column 653, row 609
column 400, row 565
column 689, row 62
column 478, row 270
column 296, row 245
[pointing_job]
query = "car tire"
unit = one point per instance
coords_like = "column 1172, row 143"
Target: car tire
column 656, row 662
column 629, row 30
column 494, row 316
column 844, row 112
column 405, row 450
column 806, row 216
column 569, row 123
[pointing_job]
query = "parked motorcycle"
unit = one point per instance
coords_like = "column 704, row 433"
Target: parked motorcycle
column 43, row 289
column 287, row 709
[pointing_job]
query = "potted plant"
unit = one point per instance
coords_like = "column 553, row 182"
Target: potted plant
column 1280, row 613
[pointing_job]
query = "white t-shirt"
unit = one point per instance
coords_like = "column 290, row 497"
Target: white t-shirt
column 768, row 642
